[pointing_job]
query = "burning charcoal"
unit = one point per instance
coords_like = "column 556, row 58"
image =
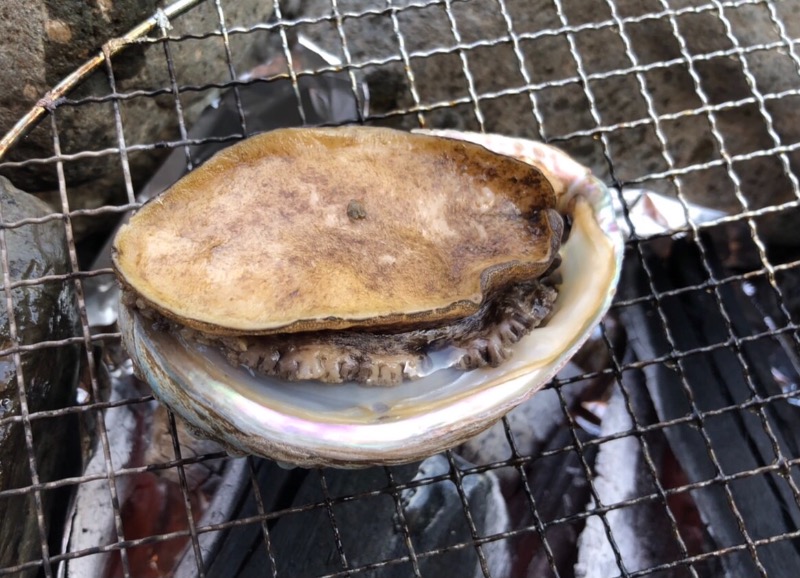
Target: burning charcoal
column 226, row 499
column 754, row 306
column 560, row 489
column 557, row 481
column 716, row 380
column 774, row 362
column 92, row 518
column 789, row 281
column 42, row 312
column 642, row 532
column 369, row 528
column 435, row 513
column 202, row 474
column 246, row 484
column 151, row 502
column 533, row 424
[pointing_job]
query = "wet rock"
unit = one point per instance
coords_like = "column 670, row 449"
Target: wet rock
column 564, row 109
column 42, row 312
column 51, row 39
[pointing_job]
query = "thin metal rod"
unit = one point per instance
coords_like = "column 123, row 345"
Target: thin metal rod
column 109, row 49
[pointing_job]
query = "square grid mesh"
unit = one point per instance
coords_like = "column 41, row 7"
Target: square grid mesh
column 592, row 81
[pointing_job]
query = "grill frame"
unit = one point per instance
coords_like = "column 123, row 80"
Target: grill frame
column 47, row 109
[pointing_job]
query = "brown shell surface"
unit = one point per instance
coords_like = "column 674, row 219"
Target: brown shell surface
column 307, row 229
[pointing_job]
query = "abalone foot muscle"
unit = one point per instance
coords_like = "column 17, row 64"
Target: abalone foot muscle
column 384, row 359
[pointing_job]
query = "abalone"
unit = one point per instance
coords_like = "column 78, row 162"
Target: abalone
column 191, row 361
column 348, row 254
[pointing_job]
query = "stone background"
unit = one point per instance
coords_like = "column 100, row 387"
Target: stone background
column 53, row 37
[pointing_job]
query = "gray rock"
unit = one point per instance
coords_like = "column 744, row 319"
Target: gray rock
column 565, row 109
column 42, row 312
column 51, row 39
column 40, row 31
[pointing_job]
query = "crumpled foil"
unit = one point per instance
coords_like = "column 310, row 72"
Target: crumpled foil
column 654, row 214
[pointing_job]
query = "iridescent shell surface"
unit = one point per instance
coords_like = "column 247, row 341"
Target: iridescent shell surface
column 348, row 425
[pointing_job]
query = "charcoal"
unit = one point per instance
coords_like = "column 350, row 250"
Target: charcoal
column 642, row 533
column 533, row 422
column 560, row 489
column 716, row 380
column 369, row 528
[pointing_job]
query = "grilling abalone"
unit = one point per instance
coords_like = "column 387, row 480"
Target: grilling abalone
column 354, row 254
column 363, row 256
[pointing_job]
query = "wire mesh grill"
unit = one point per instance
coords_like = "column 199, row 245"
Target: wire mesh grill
column 708, row 509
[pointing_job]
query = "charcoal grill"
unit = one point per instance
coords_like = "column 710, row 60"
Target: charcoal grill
column 655, row 298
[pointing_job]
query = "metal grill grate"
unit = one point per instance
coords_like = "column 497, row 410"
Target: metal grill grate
column 691, row 406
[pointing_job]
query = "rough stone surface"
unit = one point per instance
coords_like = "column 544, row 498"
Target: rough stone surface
column 565, row 109
column 52, row 38
column 64, row 34
column 42, row 312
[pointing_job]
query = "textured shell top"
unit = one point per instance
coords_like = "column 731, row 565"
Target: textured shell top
column 308, row 229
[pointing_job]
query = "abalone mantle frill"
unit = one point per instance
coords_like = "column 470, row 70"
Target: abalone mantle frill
column 348, row 425
column 351, row 254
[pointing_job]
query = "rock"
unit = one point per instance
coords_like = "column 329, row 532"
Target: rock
column 43, row 312
column 635, row 152
column 51, row 39
column 41, row 31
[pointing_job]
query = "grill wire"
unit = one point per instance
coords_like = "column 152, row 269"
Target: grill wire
column 580, row 447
